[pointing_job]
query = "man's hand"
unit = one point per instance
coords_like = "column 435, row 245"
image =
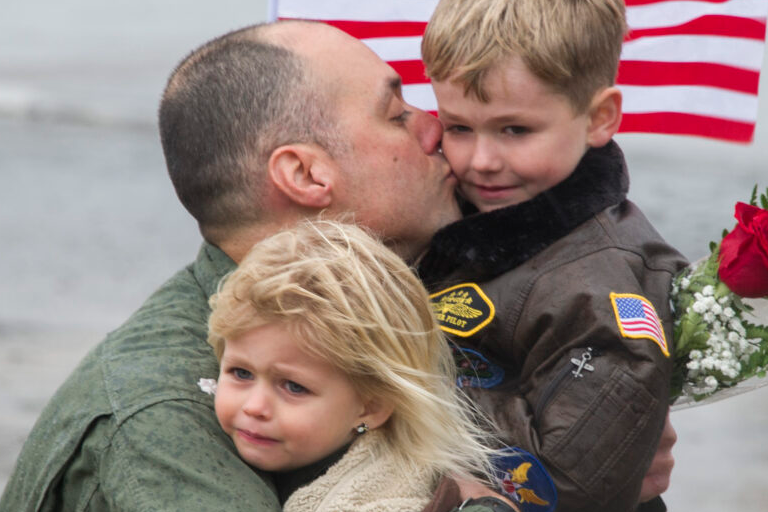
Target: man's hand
column 656, row 480
column 475, row 489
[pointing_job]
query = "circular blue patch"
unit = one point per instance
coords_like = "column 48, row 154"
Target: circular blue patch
column 474, row 370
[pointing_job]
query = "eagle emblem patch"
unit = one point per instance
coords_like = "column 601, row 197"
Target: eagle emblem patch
column 462, row 309
column 522, row 478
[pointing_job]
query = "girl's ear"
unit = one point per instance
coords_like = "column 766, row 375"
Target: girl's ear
column 304, row 173
column 604, row 117
column 376, row 412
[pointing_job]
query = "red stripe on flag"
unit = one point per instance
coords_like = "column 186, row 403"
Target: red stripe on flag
column 675, row 123
column 412, row 71
column 710, row 25
column 633, row 72
column 370, row 29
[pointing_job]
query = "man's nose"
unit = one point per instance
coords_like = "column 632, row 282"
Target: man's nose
column 258, row 403
column 485, row 155
column 427, row 129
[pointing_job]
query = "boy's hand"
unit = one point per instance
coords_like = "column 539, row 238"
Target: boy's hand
column 656, row 480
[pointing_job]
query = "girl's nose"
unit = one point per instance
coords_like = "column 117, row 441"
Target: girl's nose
column 259, row 403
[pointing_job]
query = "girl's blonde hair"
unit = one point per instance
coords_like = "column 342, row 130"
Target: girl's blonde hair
column 354, row 303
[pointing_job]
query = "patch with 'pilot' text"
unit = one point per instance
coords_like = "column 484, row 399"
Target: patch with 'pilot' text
column 462, row 309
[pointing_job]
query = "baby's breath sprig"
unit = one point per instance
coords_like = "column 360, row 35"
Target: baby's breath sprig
column 718, row 343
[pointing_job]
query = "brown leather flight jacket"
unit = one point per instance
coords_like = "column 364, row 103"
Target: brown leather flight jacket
column 530, row 287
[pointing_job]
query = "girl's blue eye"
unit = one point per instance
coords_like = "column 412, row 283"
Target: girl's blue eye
column 242, row 374
column 294, row 388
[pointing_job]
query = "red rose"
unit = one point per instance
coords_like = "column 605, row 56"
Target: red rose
column 744, row 253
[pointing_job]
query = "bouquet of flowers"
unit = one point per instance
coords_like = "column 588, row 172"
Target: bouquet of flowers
column 719, row 304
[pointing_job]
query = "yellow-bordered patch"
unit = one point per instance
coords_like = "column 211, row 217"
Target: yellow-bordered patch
column 462, row 309
column 637, row 318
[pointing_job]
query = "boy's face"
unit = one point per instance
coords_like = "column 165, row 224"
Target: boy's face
column 525, row 140
column 283, row 408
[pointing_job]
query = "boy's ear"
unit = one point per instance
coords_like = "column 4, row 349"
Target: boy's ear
column 304, row 173
column 604, row 116
column 376, row 412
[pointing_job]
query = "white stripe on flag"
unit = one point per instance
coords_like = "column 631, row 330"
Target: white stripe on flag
column 741, row 53
column 420, row 96
column 706, row 101
column 395, row 48
column 359, row 10
column 668, row 14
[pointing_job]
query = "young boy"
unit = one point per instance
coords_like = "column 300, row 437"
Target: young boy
column 554, row 280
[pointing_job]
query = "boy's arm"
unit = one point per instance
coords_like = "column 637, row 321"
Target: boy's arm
column 595, row 430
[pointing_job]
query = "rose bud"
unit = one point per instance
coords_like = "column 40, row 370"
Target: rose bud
column 744, row 253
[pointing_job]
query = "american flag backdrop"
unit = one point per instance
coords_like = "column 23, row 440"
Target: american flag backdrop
column 688, row 67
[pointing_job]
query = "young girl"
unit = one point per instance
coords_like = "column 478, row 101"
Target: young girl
column 334, row 375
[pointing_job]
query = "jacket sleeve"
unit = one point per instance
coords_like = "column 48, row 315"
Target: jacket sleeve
column 173, row 457
column 595, row 432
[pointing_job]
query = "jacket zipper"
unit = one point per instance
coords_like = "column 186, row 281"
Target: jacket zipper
column 570, row 368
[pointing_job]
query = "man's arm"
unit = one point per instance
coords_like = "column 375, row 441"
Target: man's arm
column 657, row 477
column 173, row 457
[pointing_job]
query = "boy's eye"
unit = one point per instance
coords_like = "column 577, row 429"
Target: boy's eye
column 516, row 130
column 458, row 128
column 294, row 388
column 241, row 374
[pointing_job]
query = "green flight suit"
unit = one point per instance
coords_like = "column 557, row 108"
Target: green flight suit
column 130, row 429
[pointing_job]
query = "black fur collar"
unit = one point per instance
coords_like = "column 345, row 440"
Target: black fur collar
column 483, row 245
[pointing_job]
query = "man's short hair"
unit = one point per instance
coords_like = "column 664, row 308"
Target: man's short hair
column 226, row 107
column 572, row 45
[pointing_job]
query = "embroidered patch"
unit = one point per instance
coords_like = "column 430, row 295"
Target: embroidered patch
column 637, row 318
column 474, row 370
column 522, row 478
column 462, row 309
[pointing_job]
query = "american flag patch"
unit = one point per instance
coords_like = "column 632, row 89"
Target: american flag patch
column 638, row 319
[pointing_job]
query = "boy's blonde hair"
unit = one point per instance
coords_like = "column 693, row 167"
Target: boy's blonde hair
column 354, row 303
column 571, row 45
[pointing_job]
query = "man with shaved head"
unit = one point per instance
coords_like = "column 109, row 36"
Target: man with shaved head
column 261, row 128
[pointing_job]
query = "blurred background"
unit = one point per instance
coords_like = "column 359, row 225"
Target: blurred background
column 90, row 224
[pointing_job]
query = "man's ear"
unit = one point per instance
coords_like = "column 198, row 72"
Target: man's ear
column 304, row 173
column 376, row 412
column 604, row 116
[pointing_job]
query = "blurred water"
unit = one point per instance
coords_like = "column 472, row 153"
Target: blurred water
column 91, row 225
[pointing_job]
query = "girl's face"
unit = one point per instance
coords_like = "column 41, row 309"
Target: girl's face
column 283, row 408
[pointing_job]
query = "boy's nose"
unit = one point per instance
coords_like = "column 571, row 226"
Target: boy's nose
column 427, row 129
column 485, row 156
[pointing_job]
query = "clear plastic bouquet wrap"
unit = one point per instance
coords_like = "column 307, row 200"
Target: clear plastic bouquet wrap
column 720, row 306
